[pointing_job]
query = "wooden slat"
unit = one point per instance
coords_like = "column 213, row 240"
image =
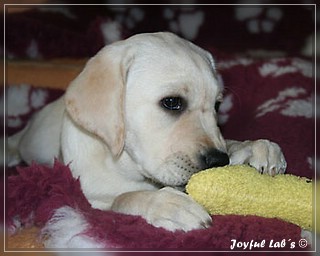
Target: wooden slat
column 49, row 74
column 25, row 240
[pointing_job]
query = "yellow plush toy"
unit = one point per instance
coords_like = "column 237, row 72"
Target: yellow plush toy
column 241, row 190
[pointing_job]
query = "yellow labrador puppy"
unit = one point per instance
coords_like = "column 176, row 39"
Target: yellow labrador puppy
column 136, row 124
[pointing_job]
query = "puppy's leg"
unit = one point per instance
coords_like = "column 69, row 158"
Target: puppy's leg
column 40, row 140
column 167, row 208
column 13, row 156
column 264, row 155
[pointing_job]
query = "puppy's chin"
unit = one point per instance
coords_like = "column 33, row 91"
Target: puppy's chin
column 175, row 171
column 171, row 181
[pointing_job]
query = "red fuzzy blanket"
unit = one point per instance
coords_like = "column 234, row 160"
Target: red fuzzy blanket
column 52, row 199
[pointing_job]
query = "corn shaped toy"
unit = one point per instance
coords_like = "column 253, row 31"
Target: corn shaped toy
column 242, row 190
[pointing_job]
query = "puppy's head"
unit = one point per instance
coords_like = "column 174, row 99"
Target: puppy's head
column 154, row 96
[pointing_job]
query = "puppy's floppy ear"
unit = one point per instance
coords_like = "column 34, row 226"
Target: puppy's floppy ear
column 95, row 99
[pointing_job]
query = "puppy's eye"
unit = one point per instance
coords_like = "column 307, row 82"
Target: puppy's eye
column 173, row 103
column 217, row 106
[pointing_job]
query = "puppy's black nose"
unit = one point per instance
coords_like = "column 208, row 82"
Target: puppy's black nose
column 213, row 158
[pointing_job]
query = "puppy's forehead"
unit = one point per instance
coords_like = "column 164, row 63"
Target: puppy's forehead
column 172, row 65
column 163, row 46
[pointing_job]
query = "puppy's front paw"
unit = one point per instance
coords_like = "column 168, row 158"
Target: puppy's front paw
column 267, row 157
column 264, row 155
column 174, row 210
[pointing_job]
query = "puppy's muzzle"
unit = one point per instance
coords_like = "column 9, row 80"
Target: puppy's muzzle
column 213, row 158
